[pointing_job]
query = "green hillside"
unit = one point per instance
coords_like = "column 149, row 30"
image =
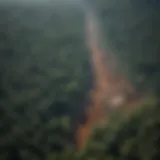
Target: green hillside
column 45, row 76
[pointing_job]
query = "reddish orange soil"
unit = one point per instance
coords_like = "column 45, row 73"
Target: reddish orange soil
column 106, row 86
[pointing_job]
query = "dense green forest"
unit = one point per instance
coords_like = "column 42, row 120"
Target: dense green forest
column 45, row 76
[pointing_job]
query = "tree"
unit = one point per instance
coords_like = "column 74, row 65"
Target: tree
column 131, row 28
column 44, row 75
column 133, row 137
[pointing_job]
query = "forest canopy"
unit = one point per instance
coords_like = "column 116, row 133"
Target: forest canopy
column 45, row 77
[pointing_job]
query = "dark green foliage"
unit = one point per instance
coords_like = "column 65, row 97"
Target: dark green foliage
column 44, row 75
column 134, row 137
column 131, row 28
